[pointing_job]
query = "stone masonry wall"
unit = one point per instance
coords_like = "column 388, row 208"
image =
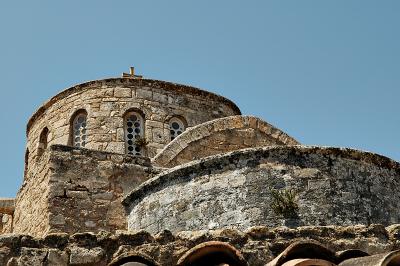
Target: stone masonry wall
column 106, row 102
column 220, row 136
column 81, row 190
column 333, row 186
column 257, row 245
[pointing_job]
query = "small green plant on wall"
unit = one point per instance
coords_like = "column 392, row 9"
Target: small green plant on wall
column 284, row 202
column 141, row 142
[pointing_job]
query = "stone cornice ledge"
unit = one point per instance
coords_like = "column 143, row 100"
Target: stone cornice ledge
column 102, row 155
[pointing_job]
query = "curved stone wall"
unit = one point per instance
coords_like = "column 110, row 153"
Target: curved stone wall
column 334, row 187
column 220, row 136
column 106, row 102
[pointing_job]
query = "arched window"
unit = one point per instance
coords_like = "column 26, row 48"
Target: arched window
column 176, row 127
column 134, row 133
column 43, row 139
column 78, row 129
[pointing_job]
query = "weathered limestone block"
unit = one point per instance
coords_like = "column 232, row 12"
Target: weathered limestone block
column 57, row 257
column 83, row 256
column 32, row 257
column 6, row 221
column 145, row 93
column 159, row 97
column 123, row 92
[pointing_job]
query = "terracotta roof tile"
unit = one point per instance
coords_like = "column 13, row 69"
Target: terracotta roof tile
column 385, row 259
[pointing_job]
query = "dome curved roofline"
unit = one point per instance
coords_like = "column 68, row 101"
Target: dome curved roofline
column 129, row 81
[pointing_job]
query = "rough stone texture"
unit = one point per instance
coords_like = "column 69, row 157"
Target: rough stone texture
column 258, row 245
column 334, row 186
column 106, row 102
column 220, row 136
column 78, row 190
column 84, row 256
column 6, row 221
column 31, row 214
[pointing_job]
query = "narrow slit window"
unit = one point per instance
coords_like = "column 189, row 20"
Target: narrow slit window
column 43, row 139
column 26, row 162
column 176, row 127
column 79, row 133
column 134, row 133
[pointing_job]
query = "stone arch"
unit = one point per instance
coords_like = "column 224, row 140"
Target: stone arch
column 144, row 112
column 180, row 116
column 220, row 136
column 133, row 259
column 212, row 253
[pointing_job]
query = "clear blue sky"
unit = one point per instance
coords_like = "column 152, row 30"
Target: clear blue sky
column 326, row 72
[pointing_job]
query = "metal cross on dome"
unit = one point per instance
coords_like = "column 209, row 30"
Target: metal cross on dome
column 131, row 74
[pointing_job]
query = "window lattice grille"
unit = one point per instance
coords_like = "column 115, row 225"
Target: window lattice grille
column 133, row 133
column 79, row 137
column 176, row 127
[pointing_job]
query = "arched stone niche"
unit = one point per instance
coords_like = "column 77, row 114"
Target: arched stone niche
column 220, row 136
column 333, row 186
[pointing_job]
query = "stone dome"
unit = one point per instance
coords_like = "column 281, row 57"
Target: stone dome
column 104, row 103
